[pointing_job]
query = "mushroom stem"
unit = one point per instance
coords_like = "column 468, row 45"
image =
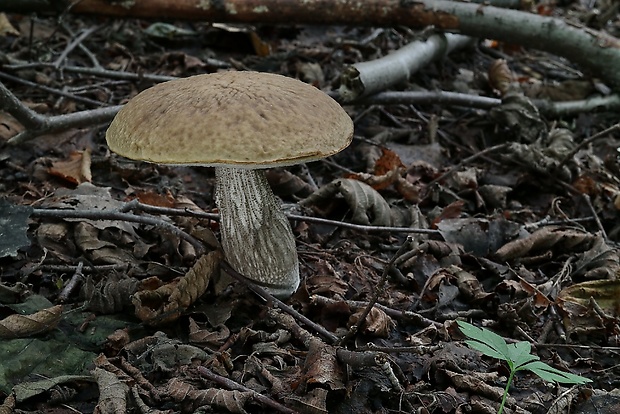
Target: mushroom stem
column 256, row 235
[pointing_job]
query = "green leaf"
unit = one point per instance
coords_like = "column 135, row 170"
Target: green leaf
column 519, row 353
column 551, row 374
column 488, row 342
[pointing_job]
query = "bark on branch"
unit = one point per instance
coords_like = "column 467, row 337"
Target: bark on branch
column 591, row 49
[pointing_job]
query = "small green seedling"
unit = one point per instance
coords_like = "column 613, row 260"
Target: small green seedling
column 517, row 356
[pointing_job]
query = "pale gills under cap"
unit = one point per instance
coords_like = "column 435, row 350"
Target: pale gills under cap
column 243, row 119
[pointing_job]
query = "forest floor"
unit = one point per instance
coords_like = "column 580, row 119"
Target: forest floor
column 496, row 213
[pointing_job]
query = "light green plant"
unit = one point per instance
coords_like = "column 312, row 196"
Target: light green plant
column 517, row 356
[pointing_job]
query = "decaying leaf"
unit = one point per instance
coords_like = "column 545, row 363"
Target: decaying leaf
column 112, row 393
column 13, row 228
column 22, row 326
column 535, row 160
column 551, row 237
column 205, row 337
column 366, row 204
column 377, row 322
column 469, row 286
column 519, row 116
column 6, row 28
column 321, row 367
column 601, row 261
column 112, row 294
column 75, row 170
column 313, row 402
column 500, row 75
column 231, row 401
column 477, row 236
column 166, row 303
column 590, row 309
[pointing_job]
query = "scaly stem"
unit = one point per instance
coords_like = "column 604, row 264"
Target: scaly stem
column 256, row 235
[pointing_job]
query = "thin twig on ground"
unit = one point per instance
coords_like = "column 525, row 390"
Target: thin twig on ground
column 235, row 386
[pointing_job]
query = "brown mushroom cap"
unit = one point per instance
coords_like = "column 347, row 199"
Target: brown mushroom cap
column 242, row 119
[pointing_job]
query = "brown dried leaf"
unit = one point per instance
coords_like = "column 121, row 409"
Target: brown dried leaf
column 112, row 393
column 377, row 322
column 202, row 336
column 6, row 28
column 312, row 402
column 231, row 401
column 520, row 118
column 366, row 204
column 469, row 285
column 23, row 326
column 500, row 76
column 75, row 170
column 606, row 293
column 166, row 303
column 321, row 366
column 546, row 238
column 111, row 295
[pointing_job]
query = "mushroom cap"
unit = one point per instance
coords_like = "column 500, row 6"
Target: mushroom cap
column 240, row 119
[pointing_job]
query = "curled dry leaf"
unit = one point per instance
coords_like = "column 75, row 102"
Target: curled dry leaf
column 520, row 117
column 202, row 336
column 590, row 308
column 500, row 75
column 23, row 326
column 544, row 239
column 601, row 261
column 112, row 393
column 166, row 303
column 366, row 204
column 111, row 295
column 321, row 366
column 469, row 286
column 231, row 401
column 377, row 323
column 535, row 160
column 75, row 170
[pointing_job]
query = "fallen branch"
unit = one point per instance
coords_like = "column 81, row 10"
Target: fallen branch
column 367, row 78
column 589, row 48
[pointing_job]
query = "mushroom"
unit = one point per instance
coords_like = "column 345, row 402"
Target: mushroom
column 240, row 123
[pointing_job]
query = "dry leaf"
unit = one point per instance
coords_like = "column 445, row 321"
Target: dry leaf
column 75, row 170
column 23, row 326
column 366, row 204
column 544, row 239
column 230, row 401
column 377, row 322
column 500, row 76
column 112, row 393
column 6, row 28
column 111, row 295
column 166, row 303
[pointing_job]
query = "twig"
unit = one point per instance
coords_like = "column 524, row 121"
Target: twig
column 468, row 160
column 115, row 215
column 100, row 72
column 410, row 316
column 587, row 142
column 75, row 43
column 52, row 90
column 77, row 277
column 232, row 385
column 379, row 289
column 370, row 77
column 278, row 303
column 586, row 197
column 135, row 204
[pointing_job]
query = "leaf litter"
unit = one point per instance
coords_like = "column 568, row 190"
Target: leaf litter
column 513, row 243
